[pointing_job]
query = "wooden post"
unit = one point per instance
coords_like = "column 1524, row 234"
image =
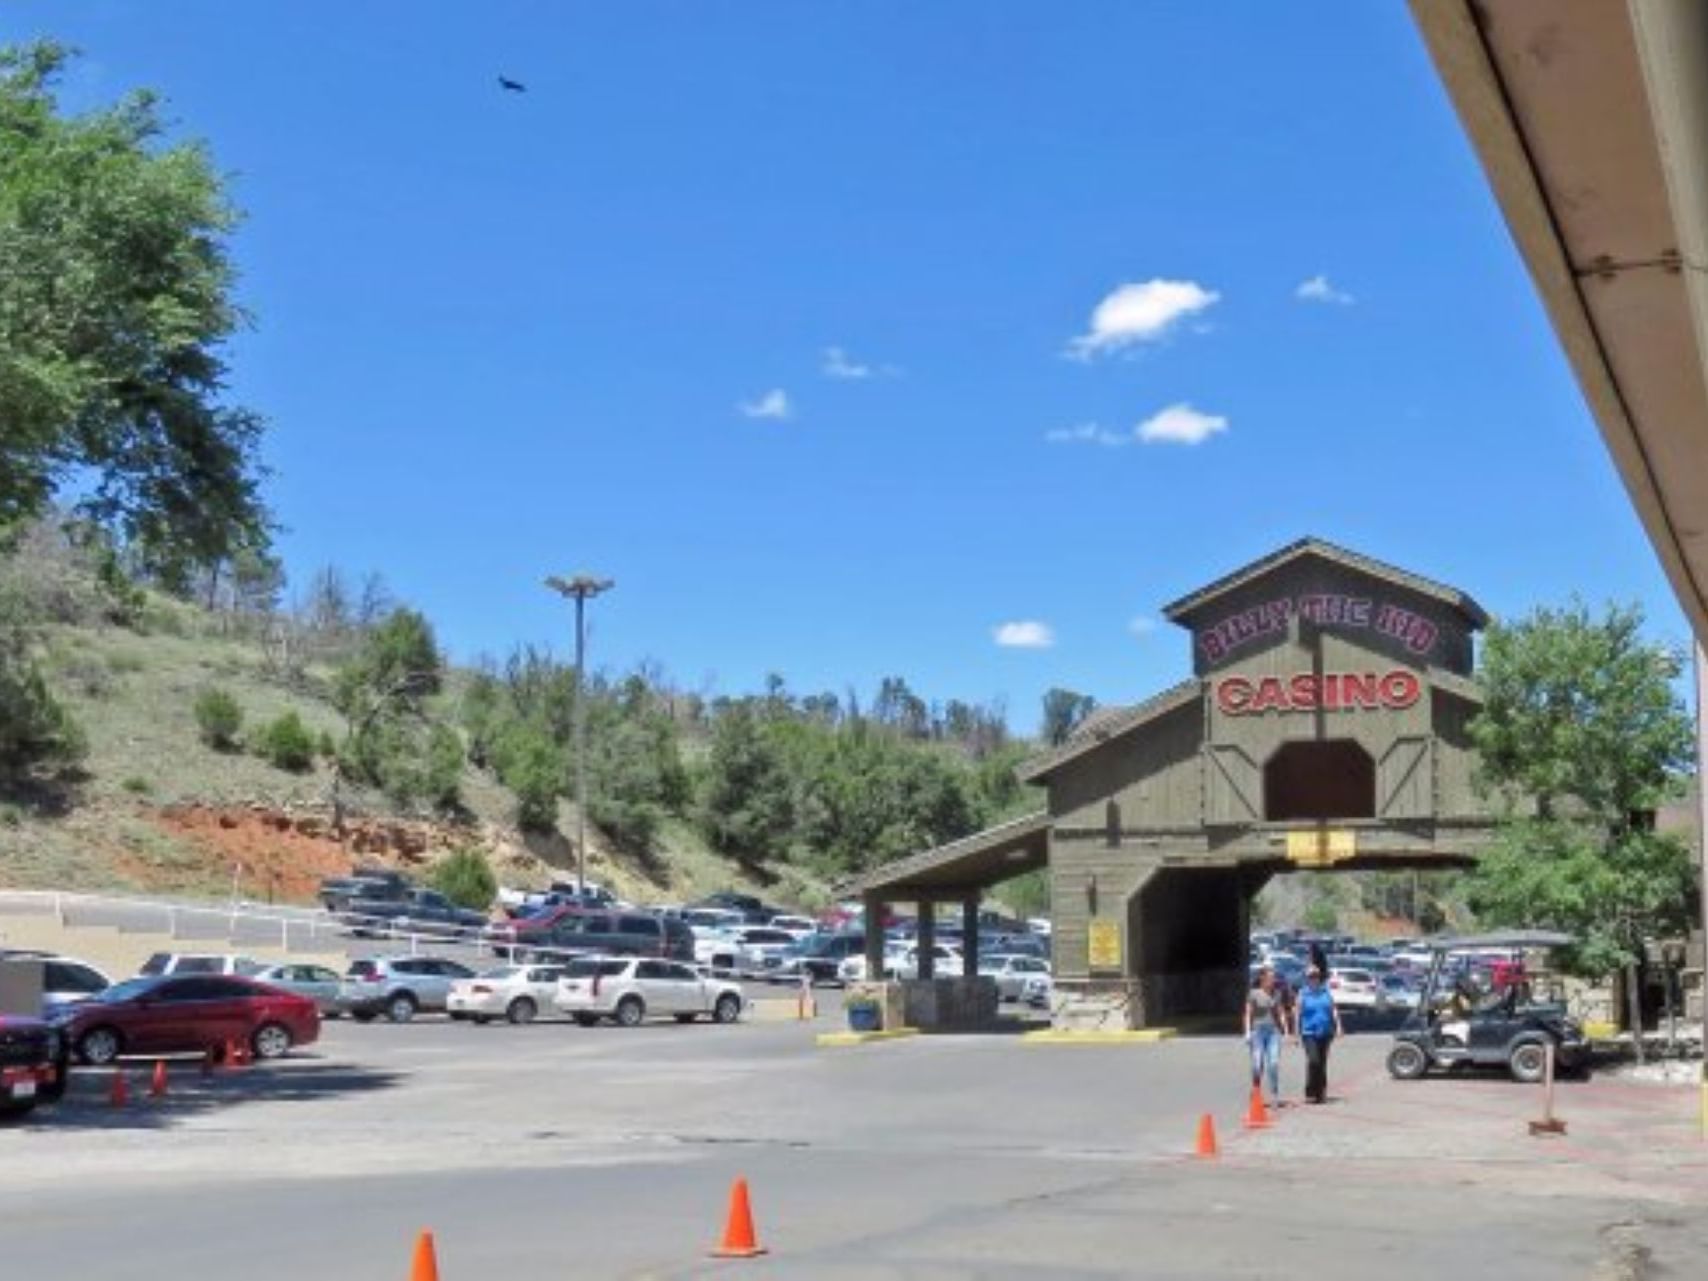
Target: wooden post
column 925, row 945
column 970, row 937
column 1549, row 1124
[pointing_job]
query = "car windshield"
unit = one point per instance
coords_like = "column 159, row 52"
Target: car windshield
column 127, row 990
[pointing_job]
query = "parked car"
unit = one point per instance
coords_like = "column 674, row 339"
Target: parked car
column 1354, row 989
column 946, row 960
column 316, row 982
column 336, row 893
column 514, row 992
column 817, row 959
column 65, row 979
column 1039, row 991
column 1011, row 972
column 197, row 1013
column 534, row 927
column 628, row 990
column 853, row 968
column 799, row 926
column 399, row 987
column 714, row 919
column 755, row 944
column 417, row 912
column 628, row 934
column 1397, row 994
column 33, row 1059
column 174, row 964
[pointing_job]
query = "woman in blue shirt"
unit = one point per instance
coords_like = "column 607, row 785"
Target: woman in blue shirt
column 1318, row 1024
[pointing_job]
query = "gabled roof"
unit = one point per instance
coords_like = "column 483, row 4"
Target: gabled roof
column 1110, row 723
column 1182, row 610
column 974, row 862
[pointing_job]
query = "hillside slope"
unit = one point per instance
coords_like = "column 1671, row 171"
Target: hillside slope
column 154, row 808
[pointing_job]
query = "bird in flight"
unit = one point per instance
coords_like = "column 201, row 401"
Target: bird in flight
column 511, row 86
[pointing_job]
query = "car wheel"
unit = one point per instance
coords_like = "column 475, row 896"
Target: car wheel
column 1527, row 1062
column 1407, row 1062
column 401, row 1008
column 522, row 1010
column 584, row 1019
column 271, row 1041
column 100, row 1046
column 630, row 1011
column 728, row 1008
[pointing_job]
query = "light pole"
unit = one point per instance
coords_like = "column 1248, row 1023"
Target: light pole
column 579, row 589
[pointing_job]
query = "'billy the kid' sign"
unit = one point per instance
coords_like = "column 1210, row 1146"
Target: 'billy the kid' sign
column 1412, row 630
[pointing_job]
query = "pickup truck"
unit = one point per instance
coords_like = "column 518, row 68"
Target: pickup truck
column 33, row 1059
column 417, row 912
column 338, row 892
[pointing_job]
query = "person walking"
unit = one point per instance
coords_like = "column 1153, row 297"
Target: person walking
column 1265, row 1024
column 1318, row 1023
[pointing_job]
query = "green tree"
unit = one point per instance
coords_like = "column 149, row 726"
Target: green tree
column 287, row 743
column 218, row 719
column 1064, row 711
column 382, row 692
column 531, row 765
column 748, row 810
column 466, row 878
column 1582, row 737
column 36, row 731
column 115, row 304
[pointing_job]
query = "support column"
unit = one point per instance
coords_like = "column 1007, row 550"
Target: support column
column 970, row 936
column 927, row 941
column 876, row 910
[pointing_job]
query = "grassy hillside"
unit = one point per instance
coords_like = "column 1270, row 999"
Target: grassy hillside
column 153, row 807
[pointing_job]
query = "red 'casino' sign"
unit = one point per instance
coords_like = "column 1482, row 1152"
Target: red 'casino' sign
column 1308, row 692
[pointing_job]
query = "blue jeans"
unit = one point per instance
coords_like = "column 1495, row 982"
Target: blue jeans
column 1266, row 1056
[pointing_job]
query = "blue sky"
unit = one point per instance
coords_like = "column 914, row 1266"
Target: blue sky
column 502, row 335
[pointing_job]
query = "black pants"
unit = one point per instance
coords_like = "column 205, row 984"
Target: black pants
column 1316, row 1067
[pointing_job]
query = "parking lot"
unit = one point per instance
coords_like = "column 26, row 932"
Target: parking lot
column 609, row 1152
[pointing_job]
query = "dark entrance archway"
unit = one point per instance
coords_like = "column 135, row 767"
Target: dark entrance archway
column 1317, row 780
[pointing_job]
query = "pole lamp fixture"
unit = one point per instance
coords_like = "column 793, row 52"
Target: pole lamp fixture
column 580, row 589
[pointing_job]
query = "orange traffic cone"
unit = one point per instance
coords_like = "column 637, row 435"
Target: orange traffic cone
column 1257, row 1116
column 157, row 1087
column 1206, row 1136
column 236, row 1054
column 426, row 1264
column 121, row 1090
column 739, row 1240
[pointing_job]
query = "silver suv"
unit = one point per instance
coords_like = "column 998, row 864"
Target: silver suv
column 398, row 987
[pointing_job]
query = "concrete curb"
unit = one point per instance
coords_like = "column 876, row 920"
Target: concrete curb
column 829, row 1039
column 1125, row 1036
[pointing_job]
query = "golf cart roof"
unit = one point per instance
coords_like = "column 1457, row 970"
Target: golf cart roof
column 1501, row 938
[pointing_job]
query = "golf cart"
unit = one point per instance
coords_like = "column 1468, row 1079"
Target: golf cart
column 1458, row 1022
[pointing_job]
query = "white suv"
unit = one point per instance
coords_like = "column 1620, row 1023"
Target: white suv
column 629, row 989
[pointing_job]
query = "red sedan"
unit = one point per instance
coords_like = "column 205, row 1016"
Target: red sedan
column 195, row 1014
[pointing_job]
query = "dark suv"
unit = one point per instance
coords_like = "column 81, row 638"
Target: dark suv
column 616, row 934
column 33, row 1059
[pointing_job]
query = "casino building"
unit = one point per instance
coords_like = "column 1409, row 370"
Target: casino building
column 1324, row 725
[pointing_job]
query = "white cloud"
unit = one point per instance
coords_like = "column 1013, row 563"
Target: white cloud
column 1142, row 625
column 1136, row 313
column 1180, row 425
column 1088, row 434
column 838, row 364
column 773, row 404
column 1318, row 289
column 1025, row 634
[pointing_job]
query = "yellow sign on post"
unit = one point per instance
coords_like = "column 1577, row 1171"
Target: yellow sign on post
column 1321, row 846
column 1105, row 944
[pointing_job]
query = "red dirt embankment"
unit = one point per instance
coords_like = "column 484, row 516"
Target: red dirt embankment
column 284, row 856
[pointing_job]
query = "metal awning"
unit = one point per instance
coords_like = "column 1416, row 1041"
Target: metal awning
column 1590, row 118
column 965, row 866
column 1501, row 938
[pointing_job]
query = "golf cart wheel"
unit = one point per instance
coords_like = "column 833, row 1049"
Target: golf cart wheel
column 1407, row 1062
column 1527, row 1062
column 630, row 1011
column 522, row 1010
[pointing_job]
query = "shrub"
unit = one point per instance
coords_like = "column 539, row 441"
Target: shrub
column 465, row 877
column 137, row 785
column 218, row 719
column 287, row 743
column 442, row 773
column 326, row 747
column 35, row 728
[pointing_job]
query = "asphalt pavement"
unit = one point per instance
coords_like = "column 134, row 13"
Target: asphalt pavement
column 562, row 1151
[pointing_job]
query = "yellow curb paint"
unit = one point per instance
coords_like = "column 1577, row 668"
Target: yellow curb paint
column 861, row 1038
column 1127, row 1036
